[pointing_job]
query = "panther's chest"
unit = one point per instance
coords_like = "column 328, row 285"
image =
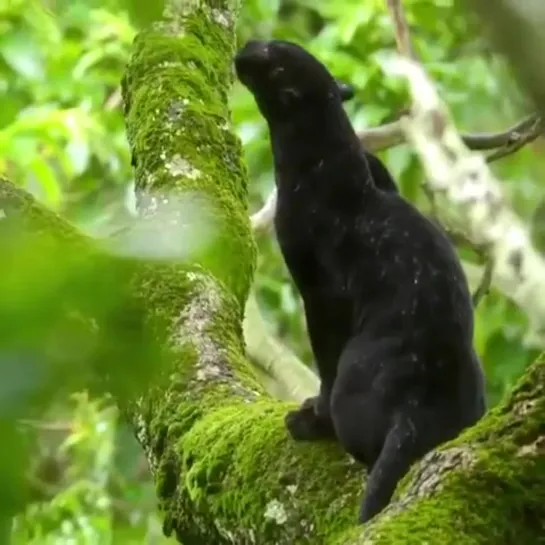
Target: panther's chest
column 312, row 241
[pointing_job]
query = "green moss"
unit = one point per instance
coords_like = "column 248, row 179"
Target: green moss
column 501, row 500
column 176, row 405
column 239, row 444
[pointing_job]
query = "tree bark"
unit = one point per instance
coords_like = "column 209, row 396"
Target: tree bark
column 225, row 468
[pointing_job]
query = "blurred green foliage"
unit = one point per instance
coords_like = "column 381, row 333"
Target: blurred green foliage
column 88, row 479
column 62, row 136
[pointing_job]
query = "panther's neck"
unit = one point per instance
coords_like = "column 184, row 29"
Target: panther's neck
column 319, row 141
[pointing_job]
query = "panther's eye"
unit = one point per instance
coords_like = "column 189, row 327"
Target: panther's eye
column 276, row 72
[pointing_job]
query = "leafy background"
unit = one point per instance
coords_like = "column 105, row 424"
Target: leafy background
column 62, row 137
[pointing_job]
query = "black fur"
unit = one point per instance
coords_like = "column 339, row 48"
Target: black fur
column 388, row 310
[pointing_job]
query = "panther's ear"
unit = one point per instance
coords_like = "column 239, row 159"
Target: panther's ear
column 347, row 91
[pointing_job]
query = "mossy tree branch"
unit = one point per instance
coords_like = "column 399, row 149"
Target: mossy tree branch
column 225, row 468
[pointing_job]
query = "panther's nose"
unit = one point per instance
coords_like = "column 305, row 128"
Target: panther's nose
column 254, row 52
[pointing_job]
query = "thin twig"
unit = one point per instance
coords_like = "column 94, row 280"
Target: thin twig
column 64, row 426
column 528, row 131
column 262, row 219
column 390, row 135
column 402, row 34
column 114, row 100
column 483, row 142
column 484, row 286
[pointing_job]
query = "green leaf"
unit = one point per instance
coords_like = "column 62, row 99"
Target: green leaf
column 23, row 54
column 47, row 180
